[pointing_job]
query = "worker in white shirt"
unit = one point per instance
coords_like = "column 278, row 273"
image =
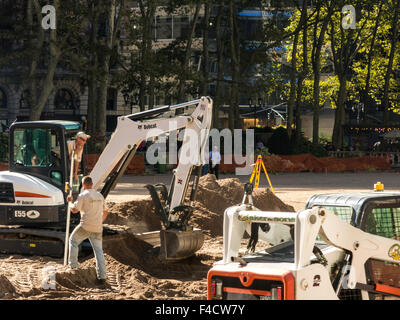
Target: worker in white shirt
column 215, row 158
column 91, row 205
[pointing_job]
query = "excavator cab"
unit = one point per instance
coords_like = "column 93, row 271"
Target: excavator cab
column 33, row 206
column 40, row 149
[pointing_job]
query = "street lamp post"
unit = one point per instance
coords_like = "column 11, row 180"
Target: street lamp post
column 360, row 108
column 132, row 100
column 261, row 103
column 135, row 99
column 250, row 103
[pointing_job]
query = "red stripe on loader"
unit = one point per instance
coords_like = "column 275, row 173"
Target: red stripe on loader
column 29, row 195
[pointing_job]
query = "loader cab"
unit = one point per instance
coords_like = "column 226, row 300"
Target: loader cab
column 377, row 213
column 39, row 148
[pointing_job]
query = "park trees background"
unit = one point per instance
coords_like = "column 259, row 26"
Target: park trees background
column 109, row 44
column 363, row 60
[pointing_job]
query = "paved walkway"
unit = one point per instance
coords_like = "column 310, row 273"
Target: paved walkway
column 292, row 188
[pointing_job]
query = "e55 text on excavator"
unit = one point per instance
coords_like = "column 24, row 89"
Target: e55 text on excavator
column 33, row 206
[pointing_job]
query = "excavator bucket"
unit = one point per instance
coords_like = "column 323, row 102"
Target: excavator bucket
column 177, row 244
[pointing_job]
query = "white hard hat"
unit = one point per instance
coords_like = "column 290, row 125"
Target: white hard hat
column 82, row 135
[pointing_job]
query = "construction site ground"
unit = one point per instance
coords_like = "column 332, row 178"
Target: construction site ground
column 134, row 270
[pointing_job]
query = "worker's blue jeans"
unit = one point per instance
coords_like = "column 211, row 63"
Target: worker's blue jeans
column 96, row 240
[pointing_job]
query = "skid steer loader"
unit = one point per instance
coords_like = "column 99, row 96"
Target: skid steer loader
column 342, row 246
column 33, row 206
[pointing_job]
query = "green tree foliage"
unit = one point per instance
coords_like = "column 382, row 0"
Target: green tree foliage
column 33, row 52
column 361, row 60
column 279, row 143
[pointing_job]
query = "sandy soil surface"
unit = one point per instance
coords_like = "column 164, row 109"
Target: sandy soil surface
column 134, row 269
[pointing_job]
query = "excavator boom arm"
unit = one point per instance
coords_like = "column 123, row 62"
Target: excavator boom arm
column 130, row 132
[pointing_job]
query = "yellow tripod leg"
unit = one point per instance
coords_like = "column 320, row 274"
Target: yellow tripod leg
column 266, row 174
column 253, row 173
column 257, row 182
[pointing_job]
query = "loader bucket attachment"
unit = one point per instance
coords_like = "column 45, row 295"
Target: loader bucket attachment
column 178, row 245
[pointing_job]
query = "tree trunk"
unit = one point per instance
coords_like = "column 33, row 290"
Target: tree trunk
column 113, row 25
column 142, row 92
column 35, row 46
column 151, row 92
column 293, row 77
column 304, row 71
column 389, row 70
column 146, row 83
column 92, row 103
column 234, row 118
column 101, row 114
column 48, row 84
column 186, row 59
column 371, row 52
column 337, row 136
column 343, row 57
column 220, row 66
column 206, row 55
column 91, row 74
column 316, row 65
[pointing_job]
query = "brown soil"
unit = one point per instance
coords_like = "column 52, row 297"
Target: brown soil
column 134, row 270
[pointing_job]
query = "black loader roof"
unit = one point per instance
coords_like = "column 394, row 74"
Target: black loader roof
column 355, row 200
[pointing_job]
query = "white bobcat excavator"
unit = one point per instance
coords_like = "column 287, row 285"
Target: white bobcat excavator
column 342, row 246
column 33, row 206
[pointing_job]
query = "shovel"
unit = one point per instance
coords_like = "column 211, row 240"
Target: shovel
column 69, row 211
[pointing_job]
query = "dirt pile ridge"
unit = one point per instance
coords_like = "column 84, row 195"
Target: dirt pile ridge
column 7, row 289
column 212, row 199
column 138, row 215
column 215, row 196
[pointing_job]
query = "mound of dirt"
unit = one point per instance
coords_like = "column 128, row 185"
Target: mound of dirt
column 215, row 196
column 6, row 287
column 212, row 199
column 129, row 250
column 137, row 215
column 75, row 280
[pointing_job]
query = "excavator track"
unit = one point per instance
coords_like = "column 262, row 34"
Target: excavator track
column 18, row 240
column 45, row 242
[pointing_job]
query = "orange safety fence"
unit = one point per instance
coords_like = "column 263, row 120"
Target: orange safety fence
column 310, row 163
column 273, row 163
column 135, row 166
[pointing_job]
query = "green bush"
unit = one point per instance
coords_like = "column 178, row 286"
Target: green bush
column 4, row 147
column 262, row 152
column 279, row 142
column 304, row 145
column 318, row 150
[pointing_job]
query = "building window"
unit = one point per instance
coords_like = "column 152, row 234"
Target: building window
column 112, row 95
column 181, row 27
column 3, row 99
column 64, row 100
column 163, row 28
column 25, row 101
